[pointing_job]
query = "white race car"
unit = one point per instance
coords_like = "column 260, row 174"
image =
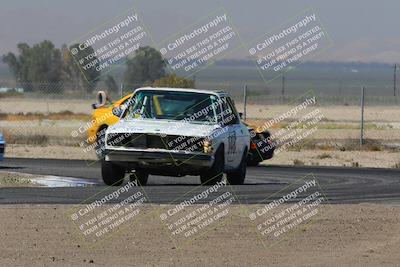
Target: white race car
column 177, row 132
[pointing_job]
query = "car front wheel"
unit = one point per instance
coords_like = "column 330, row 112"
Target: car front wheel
column 112, row 174
column 237, row 177
column 215, row 173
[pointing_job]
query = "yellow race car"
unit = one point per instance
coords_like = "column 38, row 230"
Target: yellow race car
column 103, row 117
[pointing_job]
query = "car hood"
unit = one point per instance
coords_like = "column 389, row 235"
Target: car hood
column 166, row 127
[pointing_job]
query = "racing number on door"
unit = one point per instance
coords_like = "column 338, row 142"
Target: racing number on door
column 232, row 143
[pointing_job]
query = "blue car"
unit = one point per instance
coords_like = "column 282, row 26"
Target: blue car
column 2, row 146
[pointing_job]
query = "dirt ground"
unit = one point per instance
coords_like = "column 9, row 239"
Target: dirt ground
column 345, row 235
column 373, row 159
column 53, row 152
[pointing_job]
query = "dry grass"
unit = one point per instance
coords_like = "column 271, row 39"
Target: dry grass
column 323, row 125
column 13, row 179
column 355, row 164
column 331, row 113
column 41, row 140
column 45, row 106
column 396, row 165
column 62, row 115
column 36, row 139
column 11, row 94
column 344, row 145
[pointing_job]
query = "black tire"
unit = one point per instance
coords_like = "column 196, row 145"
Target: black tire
column 252, row 162
column 112, row 174
column 237, row 177
column 141, row 176
column 100, row 142
column 215, row 173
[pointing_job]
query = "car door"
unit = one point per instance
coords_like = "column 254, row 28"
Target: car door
column 234, row 146
column 242, row 134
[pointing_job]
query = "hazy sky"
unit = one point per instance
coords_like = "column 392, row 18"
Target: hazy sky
column 361, row 30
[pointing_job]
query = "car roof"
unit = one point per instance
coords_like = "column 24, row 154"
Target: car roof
column 203, row 91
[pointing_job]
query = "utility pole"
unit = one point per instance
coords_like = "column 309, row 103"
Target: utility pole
column 394, row 80
column 362, row 117
column 244, row 101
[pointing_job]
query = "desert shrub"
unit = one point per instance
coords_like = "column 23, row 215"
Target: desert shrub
column 324, row 156
column 298, row 162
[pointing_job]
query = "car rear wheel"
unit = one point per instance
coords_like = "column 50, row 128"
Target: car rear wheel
column 251, row 161
column 112, row 174
column 140, row 176
column 215, row 173
column 238, row 176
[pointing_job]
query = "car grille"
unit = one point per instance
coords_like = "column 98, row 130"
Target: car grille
column 169, row 142
column 126, row 140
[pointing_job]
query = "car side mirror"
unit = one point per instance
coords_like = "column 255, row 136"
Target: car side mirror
column 241, row 115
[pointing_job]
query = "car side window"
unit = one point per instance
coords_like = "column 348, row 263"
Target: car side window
column 219, row 111
column 128, row 105
column 229, row 111
column 124, row 103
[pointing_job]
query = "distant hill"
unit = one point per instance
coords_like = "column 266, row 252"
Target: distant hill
column 307, row 64
column 325, row 78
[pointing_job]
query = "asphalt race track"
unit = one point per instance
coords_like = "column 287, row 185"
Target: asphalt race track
column 340, row 184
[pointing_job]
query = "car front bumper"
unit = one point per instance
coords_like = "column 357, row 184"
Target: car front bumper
column 92, row 134
column 159, row 157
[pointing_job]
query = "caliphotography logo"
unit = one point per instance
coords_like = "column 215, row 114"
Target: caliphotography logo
column 200, row 44
column 297, row 39
column 291, row 209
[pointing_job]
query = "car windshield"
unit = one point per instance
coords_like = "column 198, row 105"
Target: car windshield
column 174, row 105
